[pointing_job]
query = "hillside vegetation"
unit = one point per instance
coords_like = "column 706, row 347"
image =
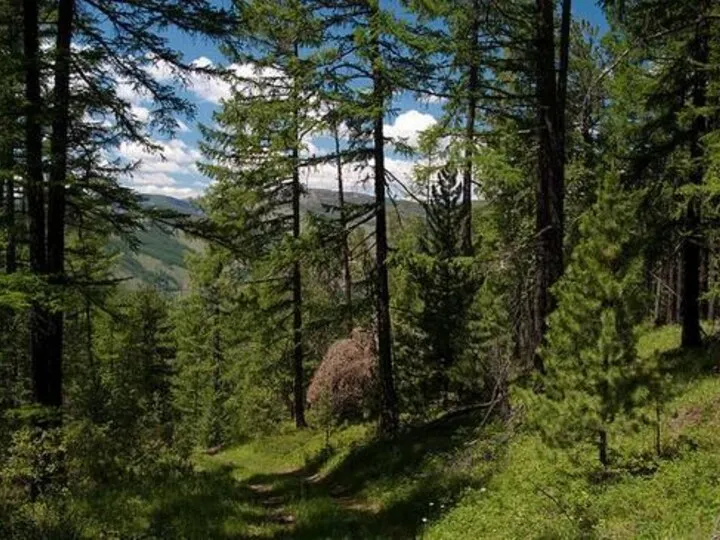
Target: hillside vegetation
column 453, row 478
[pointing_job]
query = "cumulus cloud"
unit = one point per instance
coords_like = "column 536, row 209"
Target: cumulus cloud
column 408, row 126
column 170, row 170
column 212, row 87
column 356, row 177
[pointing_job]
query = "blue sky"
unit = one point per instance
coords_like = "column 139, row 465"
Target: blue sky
column 173, row 172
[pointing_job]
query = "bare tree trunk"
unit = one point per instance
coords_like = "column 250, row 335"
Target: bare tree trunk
column 389, row 408
column 690, row 311
column 550, row 194
column 472, row 84
column 347, row 276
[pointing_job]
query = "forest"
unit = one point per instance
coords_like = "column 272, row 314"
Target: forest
column 496, row 318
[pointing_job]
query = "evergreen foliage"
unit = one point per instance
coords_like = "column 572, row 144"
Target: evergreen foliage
column 594, row 378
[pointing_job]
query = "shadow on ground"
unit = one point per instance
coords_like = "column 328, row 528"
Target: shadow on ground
column 382, row 489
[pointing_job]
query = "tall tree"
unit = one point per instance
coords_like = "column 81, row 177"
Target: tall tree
column 381, row 93
column 45, row 381
column 263, row 127
column 551, row 93
column 366, row 48
column 674, row 126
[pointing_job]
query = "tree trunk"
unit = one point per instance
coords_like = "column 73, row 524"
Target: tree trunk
column 298, row 384
column 216, row 435
column 677, row 312
column 43, row 386
column 8, row 152
column 550, row 193
column 388, row 407
column 7, row 164
column 603, row 448
column 347, row 275
column 472, row 84
column 671, row 293
column 690, row 307
column 56, row 190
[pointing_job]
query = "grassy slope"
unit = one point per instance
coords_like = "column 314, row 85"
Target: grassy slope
column 537, row 493
column 160, row 257
column 448, row 479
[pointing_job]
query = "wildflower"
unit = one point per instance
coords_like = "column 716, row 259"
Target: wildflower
column 424, row 520
column 483, row 490
column 432, row 504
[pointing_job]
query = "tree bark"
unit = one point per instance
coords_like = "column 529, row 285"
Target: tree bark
column 550, row 192
column 388, row 407
column 472, row 84
column 56, row 191
column 8, row 153
column 7, row 163
column 298, row 383
column 39, row 316
column 690, row 306
column 216, row 435
column 347, row 275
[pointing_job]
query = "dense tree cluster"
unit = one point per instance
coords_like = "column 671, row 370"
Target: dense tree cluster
column 566, row 195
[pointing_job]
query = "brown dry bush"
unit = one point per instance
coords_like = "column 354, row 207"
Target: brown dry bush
column 346, row 378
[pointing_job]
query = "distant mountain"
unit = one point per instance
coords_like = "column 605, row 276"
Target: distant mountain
column 160, row 258
column 164, row 202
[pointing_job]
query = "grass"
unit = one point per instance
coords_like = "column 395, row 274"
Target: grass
column 449, row 479
column 538, row 493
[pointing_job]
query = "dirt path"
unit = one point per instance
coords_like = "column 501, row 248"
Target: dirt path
column 274, row 503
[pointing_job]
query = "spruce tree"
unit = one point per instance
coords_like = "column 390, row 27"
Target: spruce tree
column 445, row 282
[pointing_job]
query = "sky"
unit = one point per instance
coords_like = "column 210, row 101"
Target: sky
column 173, row 170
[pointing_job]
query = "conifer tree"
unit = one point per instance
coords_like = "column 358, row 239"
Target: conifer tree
column 592, row 371
column 370, row 52
column 551, row 94
column 446, row 283
column 672, row 51
column 264, row 126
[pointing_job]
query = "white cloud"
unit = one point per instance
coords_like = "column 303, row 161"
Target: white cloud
column 167, row 171
column 356, row 177
column 431, row 100
column 173, row 156
column 408, row 126
column 171, row 191
column 140, row 112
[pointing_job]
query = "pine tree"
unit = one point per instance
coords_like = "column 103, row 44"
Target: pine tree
column 369, row 52
column 592, row 372
column 264, row 126
column 445, row 283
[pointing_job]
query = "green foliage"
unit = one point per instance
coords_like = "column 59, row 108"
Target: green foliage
column 593, row 379
column 440, row 285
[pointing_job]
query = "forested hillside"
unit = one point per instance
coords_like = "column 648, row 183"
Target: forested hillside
column 443, row 269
